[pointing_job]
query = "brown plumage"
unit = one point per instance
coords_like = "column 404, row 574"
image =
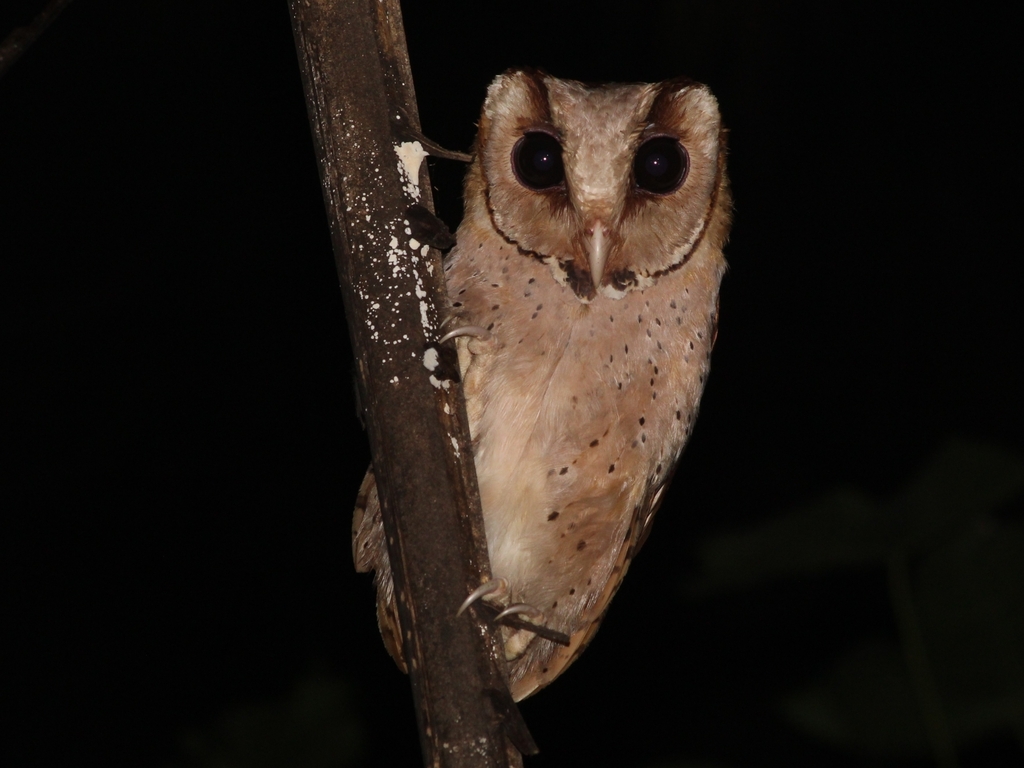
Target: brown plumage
column 591, row 252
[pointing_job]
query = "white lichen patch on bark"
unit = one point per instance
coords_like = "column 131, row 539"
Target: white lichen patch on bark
column 431, row 359
column 439, row 383
column 392, row 255
column 410, row 158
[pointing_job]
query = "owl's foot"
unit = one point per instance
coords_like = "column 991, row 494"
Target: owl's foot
column 467, row 330
column 481, row 340
column 523, row 623
column 525, row 617
column 526, row 620
column 495, row 587
column 535, row 615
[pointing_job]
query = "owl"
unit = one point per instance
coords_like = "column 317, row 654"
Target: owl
column 584, row 294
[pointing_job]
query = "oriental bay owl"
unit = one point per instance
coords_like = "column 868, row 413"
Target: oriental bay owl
column 585, row 280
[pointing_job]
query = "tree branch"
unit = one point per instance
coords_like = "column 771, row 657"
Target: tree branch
column 358, row 85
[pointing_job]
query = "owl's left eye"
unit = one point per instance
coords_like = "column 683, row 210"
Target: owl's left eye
column 660, row 165
column 537, row 161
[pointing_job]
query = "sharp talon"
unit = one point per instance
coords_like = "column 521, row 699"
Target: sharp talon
column 487, row 588
column 466, row 330
column 525, row 609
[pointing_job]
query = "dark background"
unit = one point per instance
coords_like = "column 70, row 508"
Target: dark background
column 182, row 447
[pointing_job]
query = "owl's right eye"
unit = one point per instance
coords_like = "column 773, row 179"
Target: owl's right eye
column 537, row 161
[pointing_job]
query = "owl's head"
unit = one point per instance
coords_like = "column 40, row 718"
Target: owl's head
column 611, row 185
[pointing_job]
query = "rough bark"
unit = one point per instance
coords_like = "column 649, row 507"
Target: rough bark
column 362, row 107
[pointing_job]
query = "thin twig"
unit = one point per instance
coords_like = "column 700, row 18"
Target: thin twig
column 912, row 640
column 21, row 38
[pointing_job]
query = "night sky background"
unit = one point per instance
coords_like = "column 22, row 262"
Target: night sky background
column 181, row 442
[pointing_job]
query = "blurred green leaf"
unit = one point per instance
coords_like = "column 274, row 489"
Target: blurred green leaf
column 956, row 567
column 963, row 480
column 866, row 702
column 839, row 530
column 847, row 528
column 313, row 727
column 969, row 602
column 969, row 596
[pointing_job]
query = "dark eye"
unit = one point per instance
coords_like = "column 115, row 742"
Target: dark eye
column 661, row 164
column 537, row 161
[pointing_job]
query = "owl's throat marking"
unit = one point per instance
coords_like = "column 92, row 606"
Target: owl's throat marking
column 566, row 271
column 577, row 278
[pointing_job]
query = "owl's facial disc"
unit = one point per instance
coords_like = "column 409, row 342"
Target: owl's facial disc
column 611, row 186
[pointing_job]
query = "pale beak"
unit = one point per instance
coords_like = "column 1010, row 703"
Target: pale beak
column 597, row 252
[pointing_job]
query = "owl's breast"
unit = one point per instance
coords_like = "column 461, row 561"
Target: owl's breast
column 577, row 412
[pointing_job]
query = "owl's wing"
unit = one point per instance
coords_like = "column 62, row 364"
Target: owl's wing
column 543, row 661
column 645, row 512
column 370, row 553
column 652, row 497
